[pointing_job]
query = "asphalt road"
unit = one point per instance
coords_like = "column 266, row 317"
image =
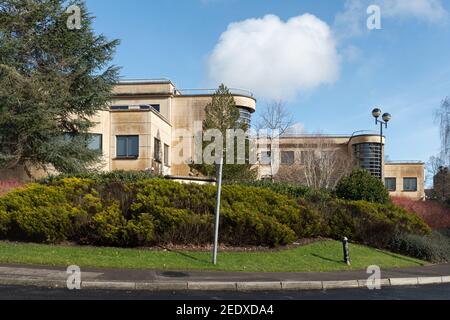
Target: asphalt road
column 431, row 292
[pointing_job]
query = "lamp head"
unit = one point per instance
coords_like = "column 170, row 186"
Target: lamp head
column 376, row 113
column 387, row 117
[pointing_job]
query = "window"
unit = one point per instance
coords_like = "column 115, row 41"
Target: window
column 95, row 142
column 410, row 184
column 287, row 157
column 245, row 115
column 119, row 107
column 156, row 107
column 166, row 155
column 266, row 157
column 157, row 150
column 391, row 184
column 128, row 147
column 303, row 157
column 368, row 156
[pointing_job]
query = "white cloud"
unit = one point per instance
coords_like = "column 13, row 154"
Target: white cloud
column 275, row 59
column 428, row 10
column 352, row 20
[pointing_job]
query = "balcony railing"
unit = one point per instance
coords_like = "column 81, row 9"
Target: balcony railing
column 233, row 91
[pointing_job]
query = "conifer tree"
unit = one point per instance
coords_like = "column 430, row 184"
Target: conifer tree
column 53, row 79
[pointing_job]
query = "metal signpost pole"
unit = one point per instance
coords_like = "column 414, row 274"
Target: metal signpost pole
column 216, row 226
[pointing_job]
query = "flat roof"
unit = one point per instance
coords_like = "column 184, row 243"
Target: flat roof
column 187, row 92
column 405, row 162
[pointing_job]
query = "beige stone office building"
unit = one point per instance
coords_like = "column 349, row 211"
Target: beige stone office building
column 150, row 123
column 361, row 149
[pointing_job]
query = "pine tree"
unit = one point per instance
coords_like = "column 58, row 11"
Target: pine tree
column 52, row 81
column 222, row 114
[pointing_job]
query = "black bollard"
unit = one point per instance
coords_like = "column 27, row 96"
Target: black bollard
column 346, row 251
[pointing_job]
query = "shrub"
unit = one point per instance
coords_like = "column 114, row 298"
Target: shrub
column 288, row 189
column 158, row 211
column 365, row 222
column 109, row 226
column 436, row 215
column 434, row 248
column 101, row 177
column 361, row 185
column 185, row 213
column 39, row 213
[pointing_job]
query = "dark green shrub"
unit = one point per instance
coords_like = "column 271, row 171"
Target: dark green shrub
column 101, row 177
column 249, row 227
column 288, row 189
column 434, row 248
column 365, row 222
column 184, row 213
column 361, row 185
column 159, row 211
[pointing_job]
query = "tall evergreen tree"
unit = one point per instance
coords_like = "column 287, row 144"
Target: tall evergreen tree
column 52, row 81
column 222, row 114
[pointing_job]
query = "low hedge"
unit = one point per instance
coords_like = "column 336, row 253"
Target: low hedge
column 123, row 212
column 434, row 247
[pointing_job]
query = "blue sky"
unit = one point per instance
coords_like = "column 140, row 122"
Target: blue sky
column 404, row 67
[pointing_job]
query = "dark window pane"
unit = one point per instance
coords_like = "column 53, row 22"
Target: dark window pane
column 119, row 107
column 128, row 146
column 391, row 184
column 368, row 156
column 156, row 107
column 287, row 157
column 133, row 146
column 95, row 142
column 166, row 155
column 121, row 146
column 157, row 150
column 410, row 184
column 245, row 115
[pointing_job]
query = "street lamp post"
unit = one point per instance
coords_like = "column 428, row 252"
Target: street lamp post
column 386, row 118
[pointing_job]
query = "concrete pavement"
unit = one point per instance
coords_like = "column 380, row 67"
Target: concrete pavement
column 160, row 280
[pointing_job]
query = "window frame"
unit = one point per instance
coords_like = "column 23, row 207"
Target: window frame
column 387, row 186
column 157, row 150
column 127, row 147
column 119, row 107
column 416, row 184
column 287, row 163
column 166, row 155
column 92, row 135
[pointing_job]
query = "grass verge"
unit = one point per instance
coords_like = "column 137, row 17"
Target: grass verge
column 317, row 257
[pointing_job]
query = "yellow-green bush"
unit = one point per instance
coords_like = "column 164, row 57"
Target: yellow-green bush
column 158, row 211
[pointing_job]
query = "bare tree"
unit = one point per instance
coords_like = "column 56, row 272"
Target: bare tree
column 321, row 165
column 433, row 167
column 442, row 117
column 276, row 120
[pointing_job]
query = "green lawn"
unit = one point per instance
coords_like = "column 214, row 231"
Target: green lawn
column 320, row 256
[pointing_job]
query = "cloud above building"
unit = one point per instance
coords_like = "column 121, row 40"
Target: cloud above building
column 276, row 59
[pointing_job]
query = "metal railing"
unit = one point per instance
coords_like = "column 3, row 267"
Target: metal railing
column 160, row 80
column 234, row 91
column 365, row 132
column 404, row 162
